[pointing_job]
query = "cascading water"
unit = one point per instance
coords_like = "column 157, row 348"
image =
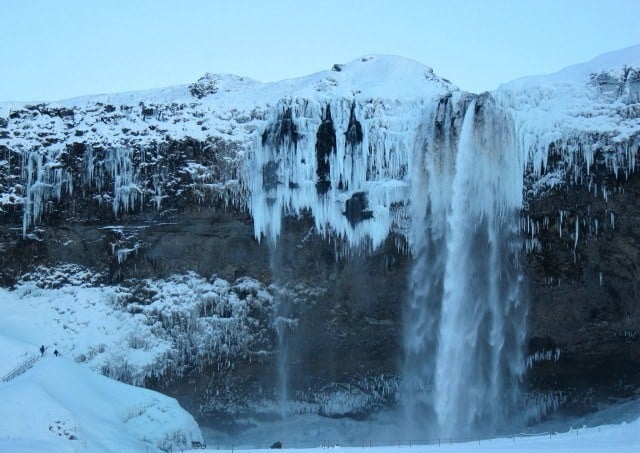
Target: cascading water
column 433, row 169
column 465, row 315
column 464, row 318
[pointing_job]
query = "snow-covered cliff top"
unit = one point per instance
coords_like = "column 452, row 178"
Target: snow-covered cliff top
column 223, row 105
column 598, row 95
column 581, row 110
column 379, row 109
column 384, row 76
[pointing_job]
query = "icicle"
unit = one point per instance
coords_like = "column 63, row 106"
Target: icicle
column 346, row 167
column 44, row 180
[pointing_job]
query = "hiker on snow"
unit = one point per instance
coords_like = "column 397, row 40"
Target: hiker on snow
column 41, row 350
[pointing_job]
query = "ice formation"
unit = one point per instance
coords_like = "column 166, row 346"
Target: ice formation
column 340, row 162
column 45, row 181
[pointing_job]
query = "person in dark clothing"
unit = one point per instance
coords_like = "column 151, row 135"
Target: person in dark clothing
column 41, row 350
column 55, row 352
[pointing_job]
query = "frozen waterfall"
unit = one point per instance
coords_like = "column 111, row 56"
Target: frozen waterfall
column 465, row 316
column 448, row 176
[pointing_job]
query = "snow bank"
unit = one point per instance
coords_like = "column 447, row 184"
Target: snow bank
column 83, row 323
column 61, row 406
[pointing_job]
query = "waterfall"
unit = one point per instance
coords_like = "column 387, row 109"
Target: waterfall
column 454, row 166
column 433, row 170
column 464, row 320
column 282, row 326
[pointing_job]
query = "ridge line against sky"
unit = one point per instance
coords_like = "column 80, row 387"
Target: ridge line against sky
column 68, row 48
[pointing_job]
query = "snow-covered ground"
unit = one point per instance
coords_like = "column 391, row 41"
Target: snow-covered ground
column 609, row 438
column 58, row 406
column 62, row 403
column 613, row 427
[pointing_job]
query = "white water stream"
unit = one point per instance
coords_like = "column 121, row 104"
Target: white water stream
column 465, row 318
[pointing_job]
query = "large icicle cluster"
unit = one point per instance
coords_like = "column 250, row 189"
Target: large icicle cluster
column 346, row 162
column 45, row 180
column 344, row 153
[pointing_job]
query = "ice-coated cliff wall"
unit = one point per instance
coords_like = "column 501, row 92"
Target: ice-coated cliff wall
column 375, row 152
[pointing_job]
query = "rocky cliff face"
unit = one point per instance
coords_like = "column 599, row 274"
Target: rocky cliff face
column 579, row 217
column 308, row 189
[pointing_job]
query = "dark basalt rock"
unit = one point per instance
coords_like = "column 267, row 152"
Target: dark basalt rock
column 204, row 86
column 325, row 147
column 353, row 136
column 356, row 209
column 585, row 292
column 283, row 133
column 270, row 175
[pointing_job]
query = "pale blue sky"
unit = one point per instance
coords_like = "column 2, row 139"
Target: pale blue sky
column 59, row 49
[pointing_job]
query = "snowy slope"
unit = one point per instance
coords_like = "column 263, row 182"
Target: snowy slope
column 61, row 406
column 189, row 321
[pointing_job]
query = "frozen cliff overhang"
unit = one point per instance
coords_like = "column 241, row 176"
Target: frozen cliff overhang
column 342, row 145
column 337, row 144
column 583, row 115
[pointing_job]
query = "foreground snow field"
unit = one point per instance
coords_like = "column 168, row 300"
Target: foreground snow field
column 624, row 437
column 59, row 406
column 611, row 438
